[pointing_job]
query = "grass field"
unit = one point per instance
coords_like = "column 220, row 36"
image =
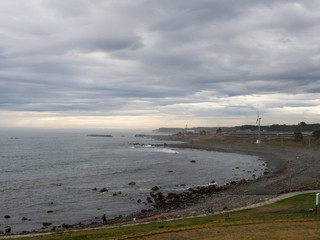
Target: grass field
column 292, row 218
column 271, row 141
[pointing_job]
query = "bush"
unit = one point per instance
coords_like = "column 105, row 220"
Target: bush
column 298, row 136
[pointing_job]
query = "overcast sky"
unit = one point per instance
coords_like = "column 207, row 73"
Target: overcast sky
column 163, row 63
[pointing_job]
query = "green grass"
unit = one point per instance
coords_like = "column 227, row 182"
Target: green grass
column 251, row 222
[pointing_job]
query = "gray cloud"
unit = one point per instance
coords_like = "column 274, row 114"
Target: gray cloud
column 98, row 57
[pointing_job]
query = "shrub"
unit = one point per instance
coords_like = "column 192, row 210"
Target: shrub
column 298, row 136
column 316, row 134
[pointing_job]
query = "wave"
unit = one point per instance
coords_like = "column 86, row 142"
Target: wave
column 150, row 148
column 169, row 151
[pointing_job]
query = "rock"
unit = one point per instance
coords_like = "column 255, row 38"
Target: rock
column 7, row 229
column 242, row 181
column 155, row 188
column 46, row 224
column 50, row 211
column 94, row 189
column 193, row 161
column 170, row 171
column 149, row 200
column 67, row 226
column 6, row 216
column 139, row 201
column 209, row 210
column 132, row 183
column 117, row 193
column 24, row 219
column 99, row 135
column 104, row 190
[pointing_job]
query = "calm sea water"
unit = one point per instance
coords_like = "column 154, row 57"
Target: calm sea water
column 56, row 171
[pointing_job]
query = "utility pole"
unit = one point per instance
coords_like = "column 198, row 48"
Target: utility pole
column 259, row 128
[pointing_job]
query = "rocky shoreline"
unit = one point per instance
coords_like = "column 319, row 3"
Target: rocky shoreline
column 290, row 169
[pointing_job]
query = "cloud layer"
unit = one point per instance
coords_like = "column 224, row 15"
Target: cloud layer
column 123, row 63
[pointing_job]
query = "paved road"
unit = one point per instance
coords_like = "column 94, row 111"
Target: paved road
column 276, row 199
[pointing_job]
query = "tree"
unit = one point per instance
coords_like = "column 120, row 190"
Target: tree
column 302, row 126
column 316, row 134
column 219, row 130
column 298, row 136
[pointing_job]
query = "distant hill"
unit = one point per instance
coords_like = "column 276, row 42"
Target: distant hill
column 170, row 130
column 301, row 127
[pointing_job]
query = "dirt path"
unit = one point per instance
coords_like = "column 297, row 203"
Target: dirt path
column 276, row 199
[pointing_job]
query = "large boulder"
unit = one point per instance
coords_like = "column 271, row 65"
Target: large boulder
column 7, row 229
column 103, row 190
column 46, row 224
column 155, row 188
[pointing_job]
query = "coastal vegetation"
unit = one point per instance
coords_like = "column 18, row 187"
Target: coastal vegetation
column 300, row 127
column 316, row 134
column 285, row 219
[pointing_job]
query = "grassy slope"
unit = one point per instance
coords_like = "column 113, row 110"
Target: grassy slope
column 271, row 141
column 286, row 219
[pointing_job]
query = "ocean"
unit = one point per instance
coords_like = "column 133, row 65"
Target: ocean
column 57, row 176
